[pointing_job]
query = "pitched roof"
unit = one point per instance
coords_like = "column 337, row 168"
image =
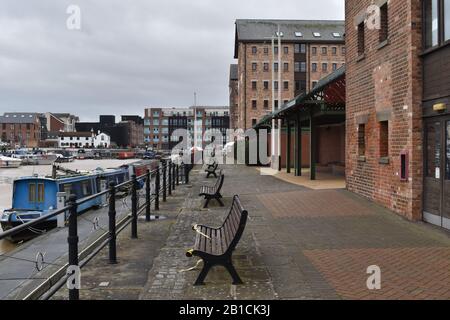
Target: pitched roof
column 19, row 117
column 249, row 30
column 75, row 134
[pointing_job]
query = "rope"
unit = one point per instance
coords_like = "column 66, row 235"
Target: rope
column 196, row 228
column 192, row 268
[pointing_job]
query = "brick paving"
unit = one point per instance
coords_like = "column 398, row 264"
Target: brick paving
column 298, row 244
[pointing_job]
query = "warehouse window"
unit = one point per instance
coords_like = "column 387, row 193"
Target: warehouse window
column 361, row 38
column 384, row 26
column 361, row 139
column 384, row 139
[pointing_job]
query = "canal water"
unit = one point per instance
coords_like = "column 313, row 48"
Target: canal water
column 7, row 176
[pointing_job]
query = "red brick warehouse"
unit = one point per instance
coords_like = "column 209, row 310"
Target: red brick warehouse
column 397, row 115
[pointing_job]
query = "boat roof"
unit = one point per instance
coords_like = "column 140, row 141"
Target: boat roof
column 73, row 178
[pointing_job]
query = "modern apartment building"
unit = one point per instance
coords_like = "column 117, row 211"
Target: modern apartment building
column 160, row 125
column 398, row 105
column 22, row 129
column 309, row 51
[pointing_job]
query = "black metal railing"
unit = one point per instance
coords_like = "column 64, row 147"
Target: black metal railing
column 171, row 174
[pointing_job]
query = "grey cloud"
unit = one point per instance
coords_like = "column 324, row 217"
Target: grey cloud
column 129, row 54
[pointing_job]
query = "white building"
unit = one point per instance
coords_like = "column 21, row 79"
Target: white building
column 84, row 140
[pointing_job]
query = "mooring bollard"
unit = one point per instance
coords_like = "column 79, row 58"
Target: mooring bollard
column 169, row 167
column 72, row 240
column 147, row 196
column 164, row 181
column 112, row 224
column 133, row 207
column 157, row 187
column 178, row 174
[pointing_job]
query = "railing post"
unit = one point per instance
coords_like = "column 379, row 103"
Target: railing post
column 186, row 174
column 147, row 196
column 133, row 207
column 169, row 167
column 164, row 181
column 72, row 240
column 173, row 176
column 112, row 224
column 178, row 174
column 158, row 188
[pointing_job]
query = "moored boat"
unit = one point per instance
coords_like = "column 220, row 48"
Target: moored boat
column 34, row 196
column 7, row 162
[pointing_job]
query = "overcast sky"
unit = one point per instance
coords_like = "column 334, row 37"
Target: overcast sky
column 128, row 55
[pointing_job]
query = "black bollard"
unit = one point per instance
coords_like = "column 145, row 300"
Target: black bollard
column 169, row 168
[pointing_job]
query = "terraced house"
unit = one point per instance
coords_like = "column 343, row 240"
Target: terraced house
column 270, row 75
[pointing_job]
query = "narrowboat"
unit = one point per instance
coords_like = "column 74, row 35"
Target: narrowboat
column 34, row 197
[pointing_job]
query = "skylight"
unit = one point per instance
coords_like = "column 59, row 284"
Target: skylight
column 336, row 34
column 299, row 34
column 279, row 34
column 316, row 34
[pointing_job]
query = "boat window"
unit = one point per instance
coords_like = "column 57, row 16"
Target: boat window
column 67, row 188
column 32, row 192
column 41, row 193
column 86, row 187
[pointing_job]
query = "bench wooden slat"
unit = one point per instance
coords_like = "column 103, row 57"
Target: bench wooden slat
column 217, row 248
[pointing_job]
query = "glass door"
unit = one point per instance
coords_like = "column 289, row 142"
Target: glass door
column 436, row 202
column 446, row 183
column 432, row 193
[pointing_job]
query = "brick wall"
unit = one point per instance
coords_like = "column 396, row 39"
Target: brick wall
column 246, row 76
column 329, row 58
column 385, row 84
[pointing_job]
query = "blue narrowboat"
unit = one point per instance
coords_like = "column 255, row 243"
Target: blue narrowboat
column 34, row 196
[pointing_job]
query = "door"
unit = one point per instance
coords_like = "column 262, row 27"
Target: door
column 437, row 172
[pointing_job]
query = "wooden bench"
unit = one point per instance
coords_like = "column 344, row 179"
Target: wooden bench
column 213, row 192
column 211, row 169
column 215, row 246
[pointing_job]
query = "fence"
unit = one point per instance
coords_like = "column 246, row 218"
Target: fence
column 167, row 177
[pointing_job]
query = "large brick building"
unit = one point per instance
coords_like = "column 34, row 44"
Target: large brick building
column 21, row 129
column 234, row 95
column 397, row 105
column 309, row 50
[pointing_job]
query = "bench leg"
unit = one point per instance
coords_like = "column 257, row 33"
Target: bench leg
column 201, row 277
column 207, row 176
column 206, row 203
column 215, row 175
column 233, row 273
column 219, row 201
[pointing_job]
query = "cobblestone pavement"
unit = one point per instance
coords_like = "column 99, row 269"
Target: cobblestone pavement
column 298, row 244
